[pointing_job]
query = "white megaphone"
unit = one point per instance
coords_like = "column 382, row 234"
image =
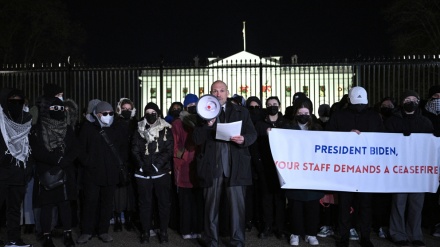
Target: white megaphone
column 208, row 107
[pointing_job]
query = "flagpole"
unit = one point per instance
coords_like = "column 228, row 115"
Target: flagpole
column 244, row 35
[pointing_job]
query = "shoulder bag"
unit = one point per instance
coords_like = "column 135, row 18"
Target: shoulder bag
column 124, row 176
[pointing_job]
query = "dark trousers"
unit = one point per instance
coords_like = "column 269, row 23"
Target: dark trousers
column 364, row 214
column 161, row 188
column 274, row 207
column 191, row 210
column 98, row 208
column 235, row 198
column 14, row 195
column 304, row 217
column 64, row 211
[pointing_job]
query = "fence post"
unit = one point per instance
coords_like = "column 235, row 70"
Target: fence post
column 261, row 80
column 161, row 87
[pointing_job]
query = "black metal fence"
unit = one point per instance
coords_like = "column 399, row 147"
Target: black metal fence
column 163, row 83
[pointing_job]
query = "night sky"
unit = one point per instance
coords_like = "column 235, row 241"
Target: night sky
column 134, row 31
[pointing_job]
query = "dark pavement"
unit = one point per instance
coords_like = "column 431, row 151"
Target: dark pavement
column 125, row 238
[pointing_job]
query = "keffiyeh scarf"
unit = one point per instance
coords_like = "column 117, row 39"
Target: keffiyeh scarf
column 16, row 138
column 53, row 133
column 152, row 134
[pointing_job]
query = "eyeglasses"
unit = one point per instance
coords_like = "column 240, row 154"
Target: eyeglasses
column 107, row 113
column 56, row 108
column 254, row 107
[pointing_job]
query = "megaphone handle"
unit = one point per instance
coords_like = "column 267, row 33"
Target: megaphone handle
column 211, row 122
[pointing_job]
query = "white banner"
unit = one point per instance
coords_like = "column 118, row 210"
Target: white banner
column 346, row 161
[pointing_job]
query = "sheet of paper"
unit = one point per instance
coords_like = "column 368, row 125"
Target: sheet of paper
column 227, row 130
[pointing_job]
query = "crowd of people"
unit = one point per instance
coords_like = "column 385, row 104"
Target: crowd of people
column 58, row 170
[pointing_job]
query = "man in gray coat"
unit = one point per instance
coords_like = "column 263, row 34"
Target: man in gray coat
column 225, row 167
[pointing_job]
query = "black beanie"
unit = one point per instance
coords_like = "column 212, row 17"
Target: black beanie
column 50, row 90
column 408, row 93
column 153, row 106
column 253, row 98
column 433, row 90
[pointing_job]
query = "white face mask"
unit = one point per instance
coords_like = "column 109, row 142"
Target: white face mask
column 107, row 119
column 26, row 109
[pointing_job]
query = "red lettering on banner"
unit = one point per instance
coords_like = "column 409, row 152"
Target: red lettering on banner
column 356, row 169
column 415, row 169
column 287, row 165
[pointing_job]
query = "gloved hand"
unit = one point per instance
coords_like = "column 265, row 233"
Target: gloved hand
column 437, row 133
column 406, row 133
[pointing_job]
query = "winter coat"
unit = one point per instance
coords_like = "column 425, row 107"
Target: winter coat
column 10, row 173
column 239, row 154
column 348, row 119
column 153, row 163
column 100, row 165
column 185, row 174
column 268, row 171
column 409, row 123
column 45, row 160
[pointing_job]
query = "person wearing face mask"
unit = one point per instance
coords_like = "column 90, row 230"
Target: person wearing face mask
column 324, row 114
column 304, row 204
column 54, row 143
column 174, row 112
column 152, row 149
column 406, row 208
column 189, row 193
column 253, row 198
column 100, row 170
column 124, row 194
column 355, row 118
column 272, row 196
column 15, row 165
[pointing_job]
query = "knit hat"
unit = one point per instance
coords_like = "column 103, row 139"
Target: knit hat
column 253, row 98
column 92, row 104
column 153, row 106
column 408, row 93
column 433, row 90
column 50, row 90
column 190, row 98
column 324, row 110
column 103, row 106
column 358, row 95
column 298, row 95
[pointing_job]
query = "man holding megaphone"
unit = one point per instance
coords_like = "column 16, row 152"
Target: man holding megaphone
column 224, row 166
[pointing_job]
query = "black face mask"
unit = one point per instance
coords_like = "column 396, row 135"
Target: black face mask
column 15, row 108
column 386, row 111
column 302, row 119
column 57, row 115
column 151, row 118
column 192, row 109
column 126, row 114
column 358, row 107
column 410, row 106
column 175, row 113
column 272, row 110
column 256, row 114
